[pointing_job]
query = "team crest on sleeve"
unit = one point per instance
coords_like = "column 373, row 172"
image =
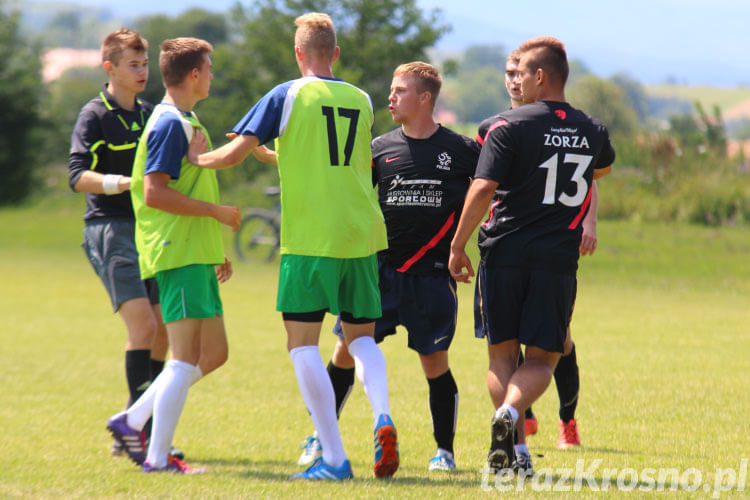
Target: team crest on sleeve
column 444, row 161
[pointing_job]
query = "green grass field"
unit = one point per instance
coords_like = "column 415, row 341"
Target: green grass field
column 661, row 328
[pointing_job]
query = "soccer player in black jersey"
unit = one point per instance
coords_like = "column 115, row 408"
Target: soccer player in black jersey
column 101, row 160
column 566, row 373
column 423, row 171
column 535, row 172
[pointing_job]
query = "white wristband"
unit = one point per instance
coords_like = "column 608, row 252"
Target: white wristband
column 111, row 184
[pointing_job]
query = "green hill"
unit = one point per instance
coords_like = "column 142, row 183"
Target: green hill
column 734, row 102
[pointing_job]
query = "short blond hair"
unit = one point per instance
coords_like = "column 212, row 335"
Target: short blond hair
column 426, row 77
column 118, row 42
column 316, row 34
column 179, row 56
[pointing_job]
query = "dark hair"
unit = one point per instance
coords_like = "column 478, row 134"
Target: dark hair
column 547, row 53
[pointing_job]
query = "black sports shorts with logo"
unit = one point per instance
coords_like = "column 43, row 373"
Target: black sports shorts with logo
column 425, row 305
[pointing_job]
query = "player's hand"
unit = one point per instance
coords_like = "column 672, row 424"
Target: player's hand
column 588, row 240
column 224, row 271
column 228, row 215
column 457, row 262
column 124, row 183
column 198, row 146
column 265, row 155
column 230, row 135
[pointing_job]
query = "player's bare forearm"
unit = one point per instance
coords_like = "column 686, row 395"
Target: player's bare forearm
column 588, row 238
column 228, row 155
column 159, row 195
column 477, row 199
column 92, row 182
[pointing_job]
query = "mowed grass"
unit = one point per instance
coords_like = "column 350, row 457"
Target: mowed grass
column 661, row 328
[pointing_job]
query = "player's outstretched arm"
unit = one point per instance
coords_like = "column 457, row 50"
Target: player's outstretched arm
column 261, row 153
column 477, row 200
column 588, row 239
column 228, row 155
column 159, row 195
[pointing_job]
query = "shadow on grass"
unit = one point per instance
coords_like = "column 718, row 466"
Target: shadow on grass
column 268, row 470
column 613, row 451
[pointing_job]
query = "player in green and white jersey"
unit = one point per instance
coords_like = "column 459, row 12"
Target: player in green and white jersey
column 331, row 231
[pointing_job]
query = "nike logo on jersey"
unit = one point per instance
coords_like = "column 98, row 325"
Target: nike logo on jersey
column 437, row 341
column 388, row 160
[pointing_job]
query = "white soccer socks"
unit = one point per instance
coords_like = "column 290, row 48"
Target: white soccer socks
column 315, row 385
column 370, row 364
column 169, row 400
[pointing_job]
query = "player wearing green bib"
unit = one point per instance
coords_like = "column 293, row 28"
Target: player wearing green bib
column 331, row 230
column 329, row 208
column 178, row 236
column 163, row 240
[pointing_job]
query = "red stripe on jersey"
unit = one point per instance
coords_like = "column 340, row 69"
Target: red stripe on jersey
column 434, row 241
column 480, row 139
column 495, row 125
column 584, row 206
column 492, row 209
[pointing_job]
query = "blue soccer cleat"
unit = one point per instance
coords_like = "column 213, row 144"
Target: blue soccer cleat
column 321, row 471
column 443, row 460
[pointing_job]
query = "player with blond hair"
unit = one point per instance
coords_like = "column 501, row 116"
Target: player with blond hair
column 331, row 231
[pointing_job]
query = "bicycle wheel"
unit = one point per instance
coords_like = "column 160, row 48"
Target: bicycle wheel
column 258, row 237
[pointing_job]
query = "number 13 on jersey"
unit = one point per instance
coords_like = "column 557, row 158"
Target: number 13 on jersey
column 582, row 162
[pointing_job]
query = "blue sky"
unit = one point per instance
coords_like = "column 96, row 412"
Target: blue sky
column 690, row 41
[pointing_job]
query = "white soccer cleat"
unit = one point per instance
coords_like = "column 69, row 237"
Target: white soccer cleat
column 311, row 450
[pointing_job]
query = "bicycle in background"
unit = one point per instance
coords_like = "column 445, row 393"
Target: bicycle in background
column 259, row 236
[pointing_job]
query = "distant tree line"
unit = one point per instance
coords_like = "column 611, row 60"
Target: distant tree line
column 659, row 158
